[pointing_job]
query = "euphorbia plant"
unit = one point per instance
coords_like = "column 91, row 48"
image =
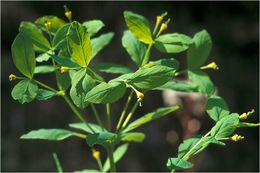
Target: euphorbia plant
column 67, row 49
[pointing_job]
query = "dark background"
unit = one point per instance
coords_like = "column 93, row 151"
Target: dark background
column 234, row 28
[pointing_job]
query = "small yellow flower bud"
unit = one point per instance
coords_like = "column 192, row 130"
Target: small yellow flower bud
column 68, row 14
column 60, row 93
column 164, row 26
column 236, row 138
column 12, row 77
column 96, row 154
column 159, row 19
column 47, row 24
column 243, row 116
column 64, row 69
column 212, row 65
column 139, row 95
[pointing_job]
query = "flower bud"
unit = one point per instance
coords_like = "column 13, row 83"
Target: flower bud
column 96, row 154
column 236, row 137
column 68, row 14
column 64, row 69
column 12, row 77
column 47, row 24
column 212, row 65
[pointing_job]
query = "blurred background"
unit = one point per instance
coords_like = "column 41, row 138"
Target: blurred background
column 234, row 28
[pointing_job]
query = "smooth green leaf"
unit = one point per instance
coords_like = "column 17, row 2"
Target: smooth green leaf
column 178, row 86
column 202, row 81
column 64, row 61
column 44, row 69
column 31, row 31
column 217, row 108
column 95, row 76
column 56, row 23
column 99, row 138
column 155, row 76
column 48, row 134
column 60, row 38
column 112, row 68
column 43, row 94
column 63, row 80
column 225, row 126
column 82, row 83
column 106, row 93
column 171, row 62
column 158, row 113
column 178, row 164
column 84, row 127
column 43, row 57
column 173, row 43
column 134, row 48
column 23, row 55
column 25, row 91
column 79, row 44
column 87, row 171
column 199, row 51
column 132, row 137
column 98, row 43
column 93, row 26
column 118, row 154
column 138, row 26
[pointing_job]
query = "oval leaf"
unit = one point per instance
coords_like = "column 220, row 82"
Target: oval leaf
column 84, row 127
column 133, row 137
column 139, row 27
column 112, row 68
column 99, row 138
column 93, row 26
column 43, row 69
column 23, row 55
column 178, row 164
column 100, row 42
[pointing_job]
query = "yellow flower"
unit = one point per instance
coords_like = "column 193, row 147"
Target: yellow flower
column 212, row 65
column 47, row 24
column 96, row 154
column 68, row 14
column 139, row 95
column 64, row 69
column 164, row 26
column 245, row 115
column 12, row 77
column 236, row 138
column 159, row 19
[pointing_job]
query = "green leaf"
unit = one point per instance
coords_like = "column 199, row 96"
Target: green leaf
column 158, row 113
column 23, row 55
column 63, row 80
column 172, row 63
column 43, row 94
column 79, row 44
column 225, row 126
column 93, row 26
column 106, row 93
column 48, row 134
column 155, row 76
column 99, row 138
column 173, row 43
column 87, row 171
column 82, row 83
column 112, row 68
column 44, row 69
column 56, row 23
column 60, row 38
column 84, row 127
column 64, row 61
column 132, row 137
column 94, row 75
column 35, row 35
column 139, row 27
column 202, row 81
column 100, row 42
column 178, row 164
column 217, row 108
column 199, row 51
column 178, row 86
column 134, row 48
column 118, row 154
column 43, row 57
column 25, row 91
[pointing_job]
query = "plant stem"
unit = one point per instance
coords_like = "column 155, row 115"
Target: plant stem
column 99, row 165
column 130, row 114
column 124, row 110
column 97, row 116
column 76, row 112
column 108, row 117
column 46, row 86
column 110, row 151
column 146, row 56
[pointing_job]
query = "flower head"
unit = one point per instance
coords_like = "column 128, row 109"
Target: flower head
column 236, row 137
column 12, row 77
column 64, row 69
column 47, row 24
column 96, row 154
column 212, row 65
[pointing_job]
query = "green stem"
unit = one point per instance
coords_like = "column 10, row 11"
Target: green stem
column 99, row 165
column 76, row 112
column 146, row 56
column 108, row 117
column 124, row 110
column 97, row 116
column 110, row 151
column 46, row 86
column 130, row 114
